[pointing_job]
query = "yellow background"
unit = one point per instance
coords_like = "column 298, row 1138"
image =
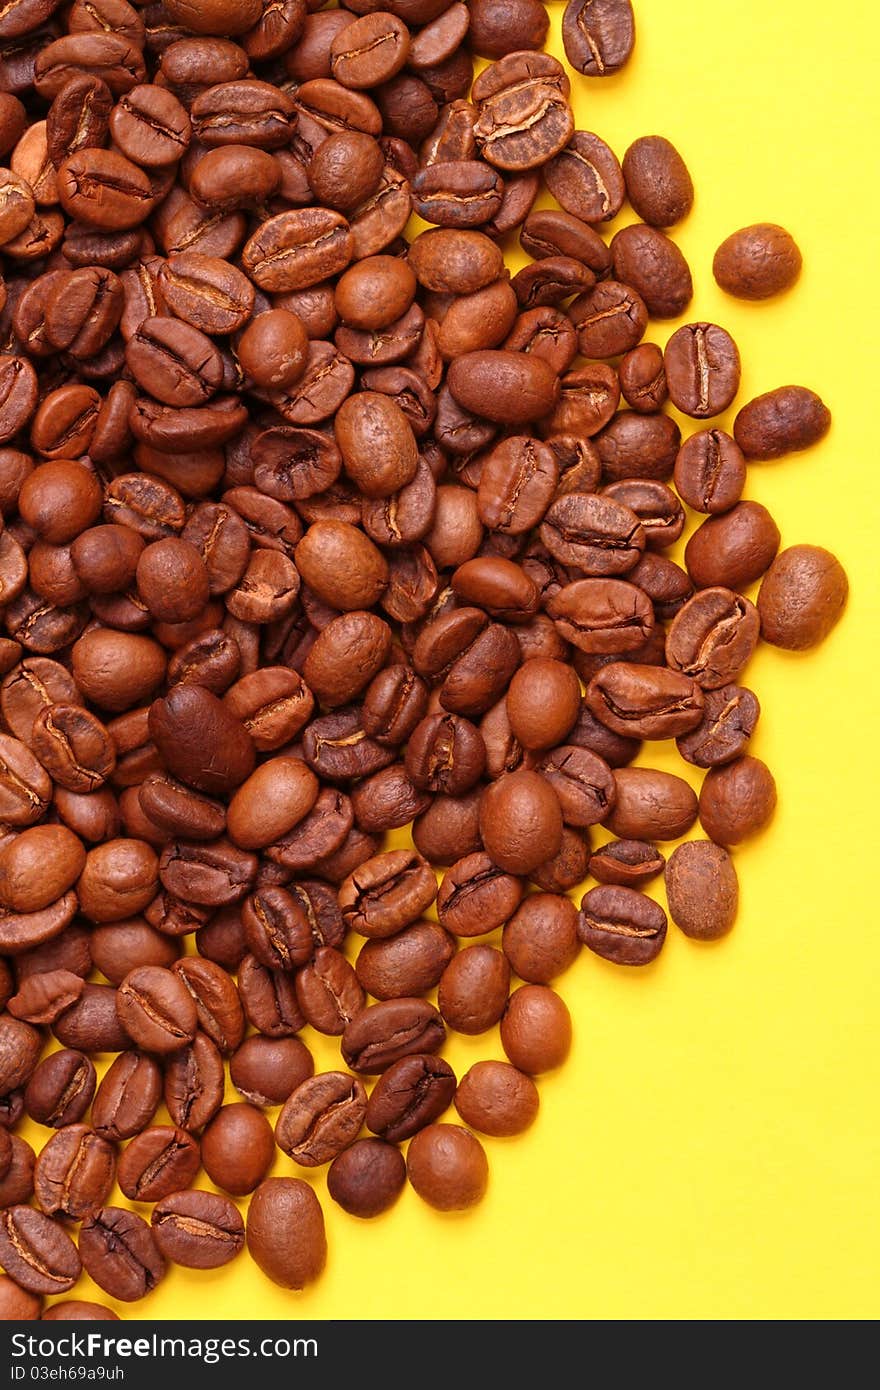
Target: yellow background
column 711, row 1148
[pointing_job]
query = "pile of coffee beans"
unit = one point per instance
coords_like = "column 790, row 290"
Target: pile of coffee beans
column 316, row 527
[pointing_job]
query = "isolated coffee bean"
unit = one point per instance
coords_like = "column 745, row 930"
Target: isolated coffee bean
column 653, row 265
column 733, row 549
column 536, row 1029
column 622, row 925
column 598, row 35
column 702, row 890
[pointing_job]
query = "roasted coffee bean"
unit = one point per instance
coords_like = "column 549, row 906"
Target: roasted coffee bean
column 712, row 637
column 495, row 1098
column 737, row 800
column 781, row 422
column 328, row 992
column 624, row 926
column 643, row 378
column 74, row 1172
column 626, row 863
column 542, row 703
column 238, row 1149
column 757, row 262
column 367, row 1177
column 583, row 783
column 658, row 184
column 157, row 1162
column 36, row 1252
column 702, row 369
column 268, row 998
column 194, row 1084
column 156, row 1009
column 383, row 1033
column 408, row 963
column 536, row 1029
column 285, row 1232
column 602, row 616
column 521, row 821
column 598, row 35
column 518, row 481
column 540, row 941
column 321, row 1118
column 447, row 1167
column 266, row 1070
column 510, row 388
column 733, row 549
column 586, row 179
column 730, row 713
column 18, row 1184
column 592, row 534
column 710, row 471
column 645, row 701
column 127, row 1097
column 386, row 893
column 119, row 1252
column 17, row 1305
column 638, row 446
column 646, row 259
column 702, row 889
column 473, row 989
column 650, row 805
column 476, row 896
column 802, row 597
column 199, row 1230
column 42, row 998
column 60, row 1089
column 183, row 722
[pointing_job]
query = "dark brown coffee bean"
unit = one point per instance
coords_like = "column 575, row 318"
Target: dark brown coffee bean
column 199, row 1230
column 476, row 896
column 387, row 893
column 182, row 722
column 710, row 471
column 383, row 1033
column 650, row 805
column 156, row 1009
column 586, row 179
column 194, row 1084
column 463, row 193
column 702, row 889
column 645, row 701
column 206, row 292
column 781, row 422
column 120, row 1253
column 18, row 1184
column 737, row 800
column 622, row 925
column 74, row 1172
column 408, row 963
column 702, row 369
column 802, row 597
column 367, row 1177
column 521, row 821
column 276, row 929
column 127, row 1097
column 602, row 615
column 757, row 262
column 593, row 534
column 285, row 1232
column 646, row 259
column 445, row 754
column 598, row 35
column 60, row 1089
column 238, row 1149
column 626, row 863
column 518, row 481
column 321, row 1118
column 730, row 714
column 733, row 549
column 658, row 184
column 638, row 446
column 583, row 783
column 713, row 636
column 328, row 992
column 268, row 998
column 643, row 378
column 157, row 1162
column 36, row 1252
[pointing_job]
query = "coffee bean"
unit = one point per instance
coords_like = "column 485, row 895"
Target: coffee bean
column 127, row 1097
column 651, row 805
column 328, row 991
column 237, row 1149
column 473, row 989
column 367, row 1177
column 781, row 422
column 120, row 1253
column 652, row 264
column 476, row 896
column 74, row 1172
column 712, row 637
column 497, row 1099
column 36, row 1252
column 199, row 1230
column 710, row 471
column 156, row 1009
column 702, row 369
column 598, row 35
column 757, row 262
column 645, row 701
column 733, row 549
column 586, row 179
column 321, row 1118
column 802, row 597
column 737, row 800
column 447, row 1167
column 266, row 1070
column 285, row 1232
column 383, row 1033
column 540, row 940
column 702, row 889
column 622, row 925
column 60, row 1088
column 408, row 963
column 386, row 893
column 521, row 821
